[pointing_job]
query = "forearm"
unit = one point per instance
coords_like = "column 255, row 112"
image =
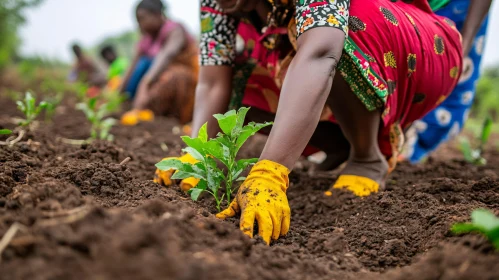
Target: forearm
column 212, row 97
column 477, row 12
column 209, row 101
column 175, row 43
column 303, row 96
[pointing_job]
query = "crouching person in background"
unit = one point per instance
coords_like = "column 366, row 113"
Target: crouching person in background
column 162, row 77
column 117, row 67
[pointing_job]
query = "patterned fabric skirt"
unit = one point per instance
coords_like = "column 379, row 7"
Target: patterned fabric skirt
column 446, row 121
column 173, row 94
column 398, row 59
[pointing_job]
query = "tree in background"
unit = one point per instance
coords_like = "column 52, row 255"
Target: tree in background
column 11, row 18
column 487, row 95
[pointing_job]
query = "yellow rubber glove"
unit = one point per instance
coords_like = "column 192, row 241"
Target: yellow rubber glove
column 164, row 177
column 262, row 196
column 133, row 117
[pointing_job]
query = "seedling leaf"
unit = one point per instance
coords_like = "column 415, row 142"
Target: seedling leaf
column 466, row 150
column 227, row 121
column 241, row 115
column 203, row 133
column 179, row 175
column 465, row 228
column 486, row 130
column 241, row 165
column 248, row 131
column 194, row 153
column 484, row 219
column 169, row 164
column 194, row 143
column 198, row 190
column 5, row 131
column 484, row 222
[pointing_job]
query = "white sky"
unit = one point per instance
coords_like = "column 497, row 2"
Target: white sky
column 54, row 25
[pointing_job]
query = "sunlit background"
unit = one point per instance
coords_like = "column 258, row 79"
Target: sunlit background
column 35, row 41
column 53, row 25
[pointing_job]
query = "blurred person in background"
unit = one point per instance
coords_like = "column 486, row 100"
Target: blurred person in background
column 117, row 67
column 447, row 120
column 85, row 70
column 162, row 77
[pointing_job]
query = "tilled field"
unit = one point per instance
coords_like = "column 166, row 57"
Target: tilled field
column 82, row 215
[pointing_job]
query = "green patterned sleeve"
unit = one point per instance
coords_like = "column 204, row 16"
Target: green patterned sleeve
column 314, row 13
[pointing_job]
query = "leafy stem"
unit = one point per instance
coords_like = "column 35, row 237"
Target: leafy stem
column 482, row 221
column 209, row 152
column 30, row 110
column 473, row 150
column 97, row 112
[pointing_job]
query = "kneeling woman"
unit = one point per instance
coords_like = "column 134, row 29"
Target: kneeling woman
column 368, row 67
column 162, row 78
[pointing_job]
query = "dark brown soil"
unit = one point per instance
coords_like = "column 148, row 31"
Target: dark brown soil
column 85, row 216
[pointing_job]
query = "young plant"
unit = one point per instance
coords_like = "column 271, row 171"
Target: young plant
column 52, row 102
column 474, row 155
column 5, row 132
column 482, row 221
column 208, row 152
column 30, row 109
column 97, row 116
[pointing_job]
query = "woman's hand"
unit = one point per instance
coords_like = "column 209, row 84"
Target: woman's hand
column 262, row 198
column 143, row 95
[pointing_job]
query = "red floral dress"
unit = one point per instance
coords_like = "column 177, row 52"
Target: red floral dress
column 399, row 57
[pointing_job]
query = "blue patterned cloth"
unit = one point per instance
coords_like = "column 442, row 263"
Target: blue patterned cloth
column 447, row 120
column 138, row 73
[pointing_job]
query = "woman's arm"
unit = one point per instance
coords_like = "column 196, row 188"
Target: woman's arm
column 174, row 44
column 129, row 72
column 304, row 93
column 212, row 97
column 477, row 12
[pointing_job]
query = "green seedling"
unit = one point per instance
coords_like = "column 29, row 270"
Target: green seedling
column 52, row 102
column 474, row 155
column 482, row 221
column 30, row 110
column 209, row 152
column 114, row 99
column 97, row 116
column 5, row 132
column 80, row 89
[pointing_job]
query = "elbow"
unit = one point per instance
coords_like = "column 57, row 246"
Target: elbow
column 323, row 45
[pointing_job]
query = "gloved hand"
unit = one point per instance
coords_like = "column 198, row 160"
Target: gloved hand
column 262, row 196
column 164, row 177
column 134, row 116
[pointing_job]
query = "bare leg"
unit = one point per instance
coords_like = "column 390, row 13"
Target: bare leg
column 360, row 127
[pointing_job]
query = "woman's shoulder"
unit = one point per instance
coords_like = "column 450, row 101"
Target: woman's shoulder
column 168, row 26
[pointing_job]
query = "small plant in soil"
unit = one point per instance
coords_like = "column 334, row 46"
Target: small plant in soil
column 5, row 132
column 97, row 114
column 482, row 221
column 52, row 102
column 30, row 110
column 209, row 152
column 473, row 150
